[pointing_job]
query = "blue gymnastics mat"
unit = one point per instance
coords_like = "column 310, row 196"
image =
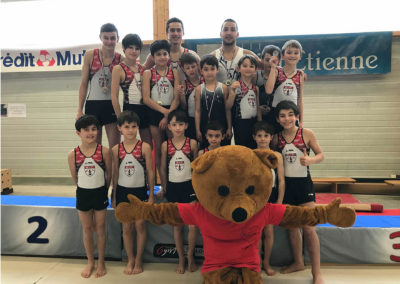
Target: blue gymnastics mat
column 364, row 221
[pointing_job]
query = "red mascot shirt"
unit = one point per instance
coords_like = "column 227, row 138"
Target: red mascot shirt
column 227, row 244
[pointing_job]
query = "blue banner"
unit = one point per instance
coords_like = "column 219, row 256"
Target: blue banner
column 332, row 54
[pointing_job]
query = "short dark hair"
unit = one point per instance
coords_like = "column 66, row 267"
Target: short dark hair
column 180, row 116
column 129, row 117
column 209, row 60
column 263, row 125
column 108, row 28
column 132, row 39
column 287, row 105
column 230, row 21
column 215, row 125
column 250, row 57
column 271, row 49
column 158, row 45
column 86, row 120
column 173, row 20
column 187, row 58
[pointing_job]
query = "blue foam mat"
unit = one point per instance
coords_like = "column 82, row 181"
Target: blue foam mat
column 364, row 221
column 51, row 201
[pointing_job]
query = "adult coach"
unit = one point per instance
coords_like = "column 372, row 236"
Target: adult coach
column 175, row 31
column 229, row 53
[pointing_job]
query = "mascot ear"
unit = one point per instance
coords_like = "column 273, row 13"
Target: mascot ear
column 203, row 163
column 268, row 157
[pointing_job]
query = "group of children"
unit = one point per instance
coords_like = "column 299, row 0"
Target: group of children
column 263, row 107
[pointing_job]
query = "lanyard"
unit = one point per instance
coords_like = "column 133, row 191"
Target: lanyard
column 209, row 109
column 230, row 76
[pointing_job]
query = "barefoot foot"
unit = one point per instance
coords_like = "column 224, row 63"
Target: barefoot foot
column 268, row 269
column 192, row 267
column 181, row 267
column 101, row 270
column 317, row 279
column 129, row 268
column 138, row 267
column 88, row 270
column 292, row 268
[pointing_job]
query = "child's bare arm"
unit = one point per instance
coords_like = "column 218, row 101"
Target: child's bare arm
column 269, row 85
column 231, row 95
column 259, row 115
column 146, row 150
column 182, row 99
column 300, row 101
column 115, row 175
column 149, row 62
column 311, row 142
column 72, row 168
column 87, row 60
column 193, row 146
column 274, row 142
column 201, row 152
column 281, row 179
column 228, row 113
column 117, row 73
column 197, row 114
column 108, row 163
column 177, row 91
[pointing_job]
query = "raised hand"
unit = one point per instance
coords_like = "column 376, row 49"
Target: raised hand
column 306, row 159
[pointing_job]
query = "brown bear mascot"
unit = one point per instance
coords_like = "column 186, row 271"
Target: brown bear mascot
column 232, row 185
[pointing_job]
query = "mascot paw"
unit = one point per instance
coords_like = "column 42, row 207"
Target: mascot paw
column 340, row 216
column 129, row 212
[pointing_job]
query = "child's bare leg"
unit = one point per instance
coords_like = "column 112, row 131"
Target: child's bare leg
column 145, row 136
column 178, row 237
column 86, row 218
column 113, row 135
column 99, row 135
column 141, row 235
column 127, row 236
column 156, row 134
column 268, row 244
column 297, row 248
column 192, row 267
column 311, row 238
column 100, row 216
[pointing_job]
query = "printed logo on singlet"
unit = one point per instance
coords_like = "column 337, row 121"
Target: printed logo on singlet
column 129, row 169
column 179, row 164
column 291, row 156
column 103, row 80
column 163, row 86
column 288, row 88
column 89, row 168
column 252, row 101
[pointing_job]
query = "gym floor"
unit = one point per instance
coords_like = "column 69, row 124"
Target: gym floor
column 67, row 270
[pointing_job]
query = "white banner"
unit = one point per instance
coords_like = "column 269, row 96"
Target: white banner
column 62, row 59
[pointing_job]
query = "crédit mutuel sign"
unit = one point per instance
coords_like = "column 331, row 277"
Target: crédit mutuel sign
column 331, row 54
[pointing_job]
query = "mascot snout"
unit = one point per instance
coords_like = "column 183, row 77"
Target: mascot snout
column 239, row 214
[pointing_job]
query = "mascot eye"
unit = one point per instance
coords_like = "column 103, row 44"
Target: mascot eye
column 223, row 190
column 250, row 190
